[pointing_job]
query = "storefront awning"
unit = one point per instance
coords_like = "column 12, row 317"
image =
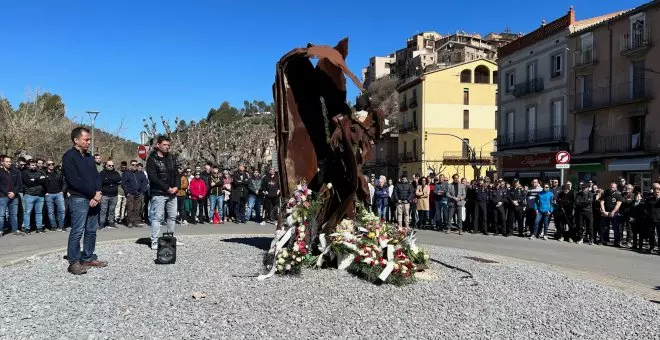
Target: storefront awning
column 533, row 174
column 588, row 167
column 632, row 164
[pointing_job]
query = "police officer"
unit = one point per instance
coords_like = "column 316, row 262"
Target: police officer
column 482, row 194
column 499, row 198
column 516, row 204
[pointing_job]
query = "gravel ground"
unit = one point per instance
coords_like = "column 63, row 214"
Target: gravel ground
column 134, row 298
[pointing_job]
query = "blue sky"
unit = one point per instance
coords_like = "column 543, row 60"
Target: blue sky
column 129, row 59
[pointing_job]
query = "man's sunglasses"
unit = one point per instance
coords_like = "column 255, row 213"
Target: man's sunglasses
column 50, row 164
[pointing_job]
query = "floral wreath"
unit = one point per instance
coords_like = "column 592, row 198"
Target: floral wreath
column 367, row 247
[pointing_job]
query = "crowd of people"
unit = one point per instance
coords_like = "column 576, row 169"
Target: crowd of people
column 135, row 194
column 582, row 214
column 86, row 194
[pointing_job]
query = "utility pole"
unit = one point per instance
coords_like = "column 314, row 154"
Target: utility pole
column 471, row 151
column 92, row 116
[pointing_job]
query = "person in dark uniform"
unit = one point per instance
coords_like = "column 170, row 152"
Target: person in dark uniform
column 598, row 194
column 638, row 221
column 470, row 199
column 584, row 218
column 609, row 209
column 565, row 202
column 499, row 198
column 482, row 194
column 628, row 199
column 516, row 204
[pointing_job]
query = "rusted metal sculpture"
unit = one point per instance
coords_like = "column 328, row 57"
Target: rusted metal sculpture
column 320, row 140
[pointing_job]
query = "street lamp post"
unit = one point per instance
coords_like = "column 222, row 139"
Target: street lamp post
column 471, row 150
column 92, row 116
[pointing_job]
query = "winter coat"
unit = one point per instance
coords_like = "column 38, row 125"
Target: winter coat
column 254, row 185
column 183, row 189
column 197, row 189
column 403, row 192
column 215, row 185
column 55, row 182
column 653, row 209
column 6, row 184
column 110, row 182
column 544, row 202
column 134, row 183
column 239, row 189
column 382, row 196
column 162, row 174
column 34, row 182
column 422, row 193
column 17, row 179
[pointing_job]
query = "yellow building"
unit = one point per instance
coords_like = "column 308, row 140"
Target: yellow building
column 447, row 123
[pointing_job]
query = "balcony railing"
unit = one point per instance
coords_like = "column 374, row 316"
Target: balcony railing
column 555, row 134
column 637, row 39
column 408, row 157
column 630, row 142
column 584, row 57
column 599, row 97
column 403, row 105
column 408, row 127
column 412, row 103
column 532, row 86
column 464, row 158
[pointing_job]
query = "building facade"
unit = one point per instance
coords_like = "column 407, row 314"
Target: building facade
column 378, row 67
column 428, row 51
column 532, row 113
column 614, row 121
column 385, row 161
column 448, row 120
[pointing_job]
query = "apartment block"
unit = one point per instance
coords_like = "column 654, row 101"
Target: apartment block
column 614, row 122
column 533, row 106
column 448, row 120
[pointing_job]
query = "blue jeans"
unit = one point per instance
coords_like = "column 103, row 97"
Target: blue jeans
column 382, row 209
column 12, row 206
column 37, row 203
column 4, row 203
column 216, row 202
column 159, row 207
column 441, row 213
column 84, row 219
column 546, row 222
column 254, row 203
column 54, row 201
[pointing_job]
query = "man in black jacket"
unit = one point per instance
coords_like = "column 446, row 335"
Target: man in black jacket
column 239, row 193
column 110, row 183
column 403, row 195
column 270, row 187
column 84, row 185
column 7, row 193
column 55, row 189
column 134, row 183
column 164, row 181
column 34, row 182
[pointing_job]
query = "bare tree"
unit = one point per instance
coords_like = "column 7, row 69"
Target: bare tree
column 437, row 167
column 384, row 95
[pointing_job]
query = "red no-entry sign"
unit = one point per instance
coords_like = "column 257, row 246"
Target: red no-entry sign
column 142, row 151
column 563, row 157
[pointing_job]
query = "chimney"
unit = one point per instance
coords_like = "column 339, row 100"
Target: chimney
column 571, row 16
